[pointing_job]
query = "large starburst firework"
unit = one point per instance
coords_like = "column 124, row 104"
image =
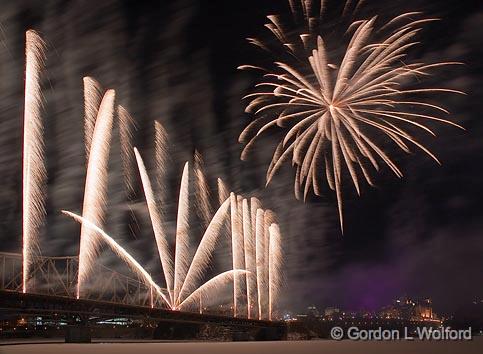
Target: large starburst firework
column 338, row 117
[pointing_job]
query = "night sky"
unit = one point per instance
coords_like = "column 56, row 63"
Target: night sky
column 176, row 61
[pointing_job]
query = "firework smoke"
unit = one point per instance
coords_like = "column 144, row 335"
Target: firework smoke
column 34, row 173
column 161, row 159
column 126, row 127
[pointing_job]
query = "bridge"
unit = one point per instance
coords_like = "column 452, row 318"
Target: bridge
column 112, row 295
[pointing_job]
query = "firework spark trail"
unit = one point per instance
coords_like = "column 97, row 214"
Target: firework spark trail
column 186, row 274
column 268, row 220
column 250, row 261
column 237, row 249
column 93, row 93
column 209, row 289
column 234, row 237
column 223, row 193
column 255, row 204
column 34, row 172
column 126, row 127
column 241, row 249
column 202, row 191
column 161, row 157
column 274, row 268
column 335, row 114
column 205, row 250
column 259, row 253
column 181, row 260
column 156, row 222
column 95, row 191
column 120, row 251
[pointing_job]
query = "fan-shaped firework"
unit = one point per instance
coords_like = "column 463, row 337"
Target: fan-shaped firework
column 336, row 114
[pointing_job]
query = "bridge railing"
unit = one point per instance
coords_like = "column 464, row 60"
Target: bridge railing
column 57, row 276
column 11, row 271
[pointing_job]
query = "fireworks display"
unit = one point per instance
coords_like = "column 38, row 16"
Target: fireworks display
column 255, row 237
column 338, row 113
column 204, row 252
column 184, row 274
column 127, row 126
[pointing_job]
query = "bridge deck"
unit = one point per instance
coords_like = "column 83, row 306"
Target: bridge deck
column 47, row 304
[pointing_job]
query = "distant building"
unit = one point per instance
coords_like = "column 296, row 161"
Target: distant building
column 312, row 311
column 331, row 311
column 409, row 309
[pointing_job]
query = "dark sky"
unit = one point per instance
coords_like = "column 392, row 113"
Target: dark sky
column 176, row 62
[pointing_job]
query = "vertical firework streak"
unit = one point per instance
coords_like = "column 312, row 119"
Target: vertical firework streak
column 181, row 260
column 34, row 173
column 156, row 222
column 96, row 186
column 202, row 191
column 274, row 268
column 259, row 253
column 268, row 219
column 237, row 249
column 126, row 127
column 250, row 262
column 254, row 206
column 93, row 93
column 121, row 252
column 241, row 248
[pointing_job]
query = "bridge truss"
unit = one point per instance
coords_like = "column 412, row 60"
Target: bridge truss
column 57, row 276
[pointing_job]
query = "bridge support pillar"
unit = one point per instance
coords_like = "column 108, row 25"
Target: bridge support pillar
column 177, row 331
column 78, row 334
column 271, row 333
